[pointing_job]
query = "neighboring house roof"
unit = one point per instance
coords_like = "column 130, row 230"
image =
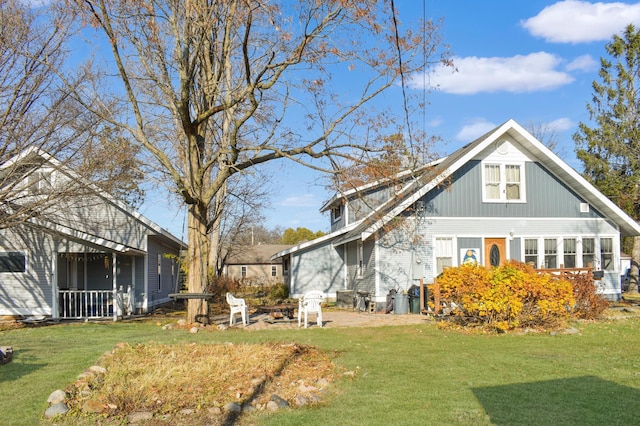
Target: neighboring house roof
column 255, row 255
column 428, row 178
column 79, row 234
column 308, row 244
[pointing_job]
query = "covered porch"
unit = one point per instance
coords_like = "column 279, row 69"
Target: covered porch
column 94, row 285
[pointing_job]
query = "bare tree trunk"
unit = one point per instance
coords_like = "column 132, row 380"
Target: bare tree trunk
column 197, row 309
column 635, row 259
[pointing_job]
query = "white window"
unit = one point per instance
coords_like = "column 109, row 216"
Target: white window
column 243, row 271
column 336, row 213
column 39, row 182
column 512, row 182
column 492, row 181
column 606, row 254
column 531, row 252
column 444, row 254
column 550, row 253
column 360, row 254
column 569, row 249
column 588, row 252
column 503, row 182
column 274, row 270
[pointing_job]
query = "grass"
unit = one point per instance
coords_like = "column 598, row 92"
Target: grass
column 404, row 375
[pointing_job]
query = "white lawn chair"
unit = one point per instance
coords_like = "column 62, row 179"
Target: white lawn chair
column 238, row 306
column 310, row 303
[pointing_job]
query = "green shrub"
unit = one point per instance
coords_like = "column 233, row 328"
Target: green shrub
column 279, row 292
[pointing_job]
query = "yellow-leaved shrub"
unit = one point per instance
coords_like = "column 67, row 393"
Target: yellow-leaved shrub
column 507, row 297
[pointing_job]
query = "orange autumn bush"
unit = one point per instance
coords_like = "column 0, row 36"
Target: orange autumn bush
column 505, row 298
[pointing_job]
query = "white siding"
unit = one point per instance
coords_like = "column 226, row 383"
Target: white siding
column 31, row 292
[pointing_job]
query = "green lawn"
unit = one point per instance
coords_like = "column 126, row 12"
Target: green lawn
column 406, row 375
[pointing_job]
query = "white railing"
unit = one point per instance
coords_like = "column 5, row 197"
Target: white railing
column 78, row 304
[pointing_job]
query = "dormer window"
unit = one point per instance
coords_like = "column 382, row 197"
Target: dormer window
column 503, row 182
column 336, row 213
column 39, row 182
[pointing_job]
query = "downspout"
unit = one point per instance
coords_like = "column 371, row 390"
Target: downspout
column 345, row 266
column 145, row 299
column 376, row 270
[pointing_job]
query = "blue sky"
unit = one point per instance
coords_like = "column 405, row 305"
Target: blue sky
column 533, row 61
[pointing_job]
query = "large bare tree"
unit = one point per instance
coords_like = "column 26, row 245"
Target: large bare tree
column 44, row 132
column 215, row 89
column 37, row 114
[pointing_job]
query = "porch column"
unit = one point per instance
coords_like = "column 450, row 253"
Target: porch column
column 55, row 308
column 145, row 303
column 115, row 286
column 134, row 283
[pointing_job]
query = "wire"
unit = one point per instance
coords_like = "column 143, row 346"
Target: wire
column 402, row 77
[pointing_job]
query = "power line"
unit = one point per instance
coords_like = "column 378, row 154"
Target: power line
column 401, row 71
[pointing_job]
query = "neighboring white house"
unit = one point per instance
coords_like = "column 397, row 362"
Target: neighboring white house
column 73, row 262
column 503, row 196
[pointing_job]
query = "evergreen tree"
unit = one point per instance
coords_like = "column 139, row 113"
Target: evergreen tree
column 610, row 150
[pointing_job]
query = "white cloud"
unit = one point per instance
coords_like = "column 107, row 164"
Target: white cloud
column 575, row 21
column 584, row 63
column 476, row 128
column 435, row 122
column 517, row 74
column 303, row 200
column 561, row 124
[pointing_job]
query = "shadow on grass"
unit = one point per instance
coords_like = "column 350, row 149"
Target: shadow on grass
column 21, row 365
column 574, row 401
column 232, row 418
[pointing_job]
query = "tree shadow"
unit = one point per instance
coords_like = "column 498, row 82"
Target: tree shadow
column 22, row 364
column 232, row 418
column 573, row 401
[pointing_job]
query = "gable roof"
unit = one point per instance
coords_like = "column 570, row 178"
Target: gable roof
column 31, row 152
column 438, row 172
column 255, row 255
column 551, row 161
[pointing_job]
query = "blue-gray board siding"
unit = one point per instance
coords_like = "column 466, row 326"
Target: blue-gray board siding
column 515, row 249
column 546, row 196
column 321, row 268
column 351, row 265
column 396, row 262
column 159, row 294
column 363, row 204
column 367, row 282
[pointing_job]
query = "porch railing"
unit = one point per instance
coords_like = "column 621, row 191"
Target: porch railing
column 77, row 304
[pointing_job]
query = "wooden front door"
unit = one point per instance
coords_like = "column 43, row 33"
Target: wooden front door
column 495, row 251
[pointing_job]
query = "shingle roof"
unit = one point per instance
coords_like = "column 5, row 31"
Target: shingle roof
column 255, row 255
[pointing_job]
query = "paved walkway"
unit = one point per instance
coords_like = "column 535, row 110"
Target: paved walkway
column 336, row 319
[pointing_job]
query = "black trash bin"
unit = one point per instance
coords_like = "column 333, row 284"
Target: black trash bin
column 414, row 299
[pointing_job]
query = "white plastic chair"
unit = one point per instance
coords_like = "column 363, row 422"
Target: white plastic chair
column 310, row 303
column 238, row 306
